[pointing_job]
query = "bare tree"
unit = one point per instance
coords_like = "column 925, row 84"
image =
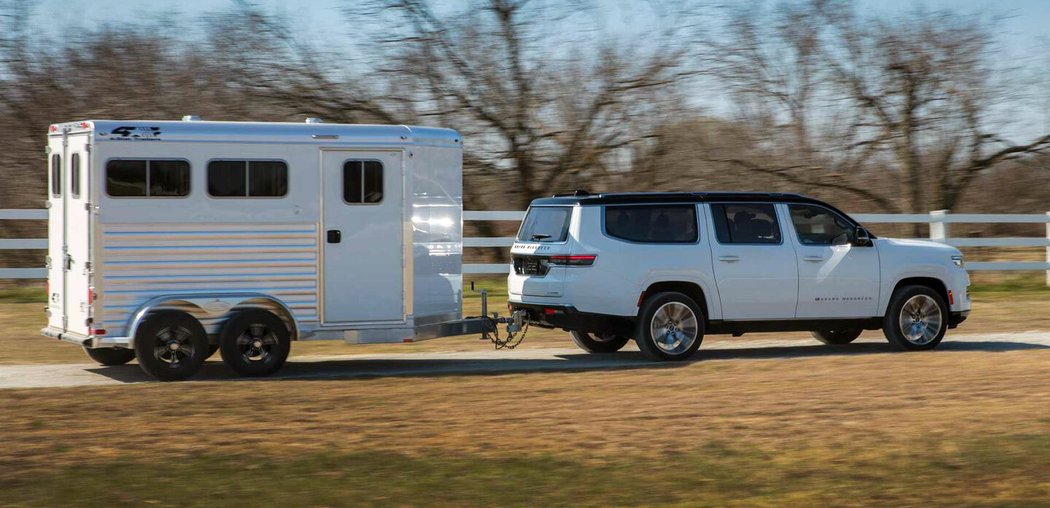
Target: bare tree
column 538, row 113
column 838, row 98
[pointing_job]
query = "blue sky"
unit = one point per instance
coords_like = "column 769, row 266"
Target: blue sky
column 1025, row 36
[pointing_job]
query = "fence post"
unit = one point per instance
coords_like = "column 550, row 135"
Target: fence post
column 1048, row 247
column 938, row 228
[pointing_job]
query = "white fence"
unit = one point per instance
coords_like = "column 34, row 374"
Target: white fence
column 939, row 221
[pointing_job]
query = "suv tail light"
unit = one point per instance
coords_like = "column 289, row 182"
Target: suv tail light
column 574, row 260
column 540, row 265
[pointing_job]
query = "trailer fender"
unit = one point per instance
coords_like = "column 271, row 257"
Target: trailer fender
column 213, row 307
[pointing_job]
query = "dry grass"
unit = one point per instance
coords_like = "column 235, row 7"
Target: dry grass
column 943, row 428
column 863, row 420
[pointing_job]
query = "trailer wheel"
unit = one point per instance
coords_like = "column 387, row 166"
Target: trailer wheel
column 171, row 345
column 110, row 356
column 254, row 343
column 599, row 342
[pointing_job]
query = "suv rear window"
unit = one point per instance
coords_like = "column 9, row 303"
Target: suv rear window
column 545, row 224
column 652, row 224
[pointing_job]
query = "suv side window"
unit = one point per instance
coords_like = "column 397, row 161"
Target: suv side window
column 652, row 224
column 746, row 223
column 817, row 225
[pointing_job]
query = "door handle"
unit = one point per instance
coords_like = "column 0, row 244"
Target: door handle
column 813, row 259
column 335, row 236
column 729, row 259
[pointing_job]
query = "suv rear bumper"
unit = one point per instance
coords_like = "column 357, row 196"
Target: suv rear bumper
column 568, row 318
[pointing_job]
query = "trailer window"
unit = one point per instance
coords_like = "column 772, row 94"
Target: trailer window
column 147, row 178
column 126, row 178
column 74, row 175
column 363, row 182
column 56, row 175
column 238, row 179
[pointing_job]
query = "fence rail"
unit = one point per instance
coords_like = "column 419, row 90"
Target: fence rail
column 938, row 221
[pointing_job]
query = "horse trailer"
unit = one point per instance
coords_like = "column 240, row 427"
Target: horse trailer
column 169, row 240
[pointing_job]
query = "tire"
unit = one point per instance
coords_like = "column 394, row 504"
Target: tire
column 916, row 319
column 599, row 343
column 254, row 343
column 837, row 337
column 677, row 342
column 171, row 345
column 110, row 356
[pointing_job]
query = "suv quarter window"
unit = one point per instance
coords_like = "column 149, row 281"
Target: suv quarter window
column 673, row 223
column 816, row 225
column 746, row 223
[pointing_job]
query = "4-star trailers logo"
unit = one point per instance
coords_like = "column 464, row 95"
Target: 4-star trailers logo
column 135, row 133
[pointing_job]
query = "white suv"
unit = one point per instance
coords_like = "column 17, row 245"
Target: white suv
column 666, row 268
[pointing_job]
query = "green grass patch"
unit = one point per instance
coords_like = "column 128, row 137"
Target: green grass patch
column 1007, row 470
column 1035, row 285
column 31, row 294
column 495, row 285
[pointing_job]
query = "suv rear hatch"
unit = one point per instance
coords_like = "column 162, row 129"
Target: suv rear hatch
column 541, row 252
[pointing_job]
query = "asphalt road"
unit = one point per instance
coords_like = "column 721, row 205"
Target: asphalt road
column 500, row 362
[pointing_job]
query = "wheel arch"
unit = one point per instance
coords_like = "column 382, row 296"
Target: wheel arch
column 690, row 289
column 213, row 309
column 931, row 282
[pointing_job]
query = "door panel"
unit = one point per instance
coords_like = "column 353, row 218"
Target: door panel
column 755, row 269
column 56, row 230
column 362, row 236
column 78, row 233
column 836, row 279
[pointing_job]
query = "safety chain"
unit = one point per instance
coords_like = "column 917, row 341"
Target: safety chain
column 509, row 342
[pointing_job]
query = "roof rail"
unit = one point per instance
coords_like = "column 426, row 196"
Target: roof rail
column 577, row 192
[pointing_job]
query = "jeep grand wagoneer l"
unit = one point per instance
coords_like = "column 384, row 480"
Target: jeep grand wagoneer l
column 666, row 268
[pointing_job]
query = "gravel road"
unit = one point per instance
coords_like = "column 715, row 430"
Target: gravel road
column 499, row 362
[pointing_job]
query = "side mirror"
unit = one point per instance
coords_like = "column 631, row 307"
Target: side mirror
column 861, row 237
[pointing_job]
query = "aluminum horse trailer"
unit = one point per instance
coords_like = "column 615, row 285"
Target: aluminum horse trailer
column 169, row 240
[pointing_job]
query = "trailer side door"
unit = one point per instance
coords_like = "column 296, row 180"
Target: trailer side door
column 362, row 234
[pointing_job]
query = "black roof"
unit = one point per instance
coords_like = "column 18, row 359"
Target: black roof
column 585, row 198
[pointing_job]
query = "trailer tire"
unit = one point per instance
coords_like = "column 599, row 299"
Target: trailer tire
column 254, row 343
column 599, row 342
column 170, row 345
column 110, row 356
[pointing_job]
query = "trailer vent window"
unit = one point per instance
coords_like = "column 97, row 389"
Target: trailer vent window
column 74, row 175
column 363, row 182
column 56, row 175
column 239, row 179
column 147, row 178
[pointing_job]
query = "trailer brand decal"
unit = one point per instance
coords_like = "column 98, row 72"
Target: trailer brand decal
column 135, row 134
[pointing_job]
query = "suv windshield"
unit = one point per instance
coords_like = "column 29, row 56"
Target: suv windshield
column 545, row 224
